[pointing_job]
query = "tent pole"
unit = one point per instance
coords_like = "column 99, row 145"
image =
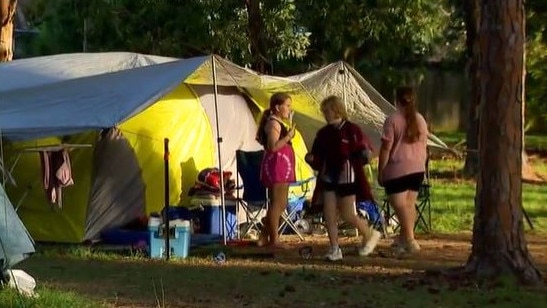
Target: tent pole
column 219, row 141
column 342, row 72
column 166, row 232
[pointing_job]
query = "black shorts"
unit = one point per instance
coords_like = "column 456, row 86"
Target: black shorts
column 341, row 190
column 408, row 182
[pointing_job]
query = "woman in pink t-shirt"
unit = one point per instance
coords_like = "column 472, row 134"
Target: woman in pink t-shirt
column 402, row 164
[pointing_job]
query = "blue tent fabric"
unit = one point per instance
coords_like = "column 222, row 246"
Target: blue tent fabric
column 87, row 103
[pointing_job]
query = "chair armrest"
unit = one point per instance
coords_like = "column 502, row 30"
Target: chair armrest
column 301, row 183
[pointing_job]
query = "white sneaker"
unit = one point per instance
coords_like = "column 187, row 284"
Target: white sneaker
column 412, row 246
column 334, row 254
column 404, row 247
column 370, row 243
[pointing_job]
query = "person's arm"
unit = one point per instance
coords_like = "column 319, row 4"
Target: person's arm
column 313, row 158
column 273, row 132
column 388, row 135
column 361, row 147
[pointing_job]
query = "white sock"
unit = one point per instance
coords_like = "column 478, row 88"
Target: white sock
column 335, row 247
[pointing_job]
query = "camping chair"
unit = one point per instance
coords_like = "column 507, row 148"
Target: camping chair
column 296, row 205
column 254, row 200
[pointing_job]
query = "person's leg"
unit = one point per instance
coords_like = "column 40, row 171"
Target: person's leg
column 411, row 197
column 278, row 203
column 414, row 184
column 331, row 220
column 331, row 216
column 346, row 205
column 396, row 190
column 411, row 245
column 399, row 203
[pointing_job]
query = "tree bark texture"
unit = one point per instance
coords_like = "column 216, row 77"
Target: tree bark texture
column 7, row 15
column 472, row 22
column 499, row 245
column 257, row 37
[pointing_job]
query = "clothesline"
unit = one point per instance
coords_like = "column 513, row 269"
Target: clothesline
column 45, row 148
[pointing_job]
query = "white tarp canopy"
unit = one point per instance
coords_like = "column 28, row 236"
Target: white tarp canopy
column 70, row 93
column 364, row 104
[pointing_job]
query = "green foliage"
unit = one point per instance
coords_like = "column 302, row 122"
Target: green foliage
column 384, row 31
column 390, row 38
column 536, row 85
column 536, row 66
column 169, row 28
column 390, row 41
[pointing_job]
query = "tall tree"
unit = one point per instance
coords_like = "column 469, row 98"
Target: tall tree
column 499, row 245
column 471, row 12
column 257, row 37
column 7, row 14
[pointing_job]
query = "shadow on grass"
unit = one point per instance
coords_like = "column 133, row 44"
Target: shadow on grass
column 251, row 278
column 537, row 213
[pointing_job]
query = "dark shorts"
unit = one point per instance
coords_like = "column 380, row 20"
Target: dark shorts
column 341, row 190
column 408, row 182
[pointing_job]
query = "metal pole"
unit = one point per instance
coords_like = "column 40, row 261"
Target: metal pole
column 219, row 141
column 166, row 232
column 342, row 72
column 84, row 43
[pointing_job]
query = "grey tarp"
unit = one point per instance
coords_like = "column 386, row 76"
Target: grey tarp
column 15, row 242
column 71, row 106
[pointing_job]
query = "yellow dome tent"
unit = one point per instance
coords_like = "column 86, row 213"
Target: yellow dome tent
column 119, row 177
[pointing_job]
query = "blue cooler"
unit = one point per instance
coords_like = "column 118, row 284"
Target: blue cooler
column 210, row 219
column 179, row 238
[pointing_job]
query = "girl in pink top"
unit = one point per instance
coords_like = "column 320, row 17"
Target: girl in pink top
column 402, row 164
column 277, row 169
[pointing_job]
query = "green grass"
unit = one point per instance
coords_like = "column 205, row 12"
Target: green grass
column 199, row 282
column 453, row 198
column 538, row 142
column 47, row 298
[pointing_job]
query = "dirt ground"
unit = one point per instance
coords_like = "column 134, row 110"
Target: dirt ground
column 130, row 283
column 438, row 250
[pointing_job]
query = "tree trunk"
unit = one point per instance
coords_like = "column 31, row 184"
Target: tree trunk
column 7, row 14
column 257, row 38
column 472, row 22
column 499, row 246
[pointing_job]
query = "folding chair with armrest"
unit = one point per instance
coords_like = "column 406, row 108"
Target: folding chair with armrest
column 254, row 200
column 296, row 204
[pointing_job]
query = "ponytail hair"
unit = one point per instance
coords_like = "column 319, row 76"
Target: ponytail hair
column 406, row 100
column 275, row 100
column 261, row 136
